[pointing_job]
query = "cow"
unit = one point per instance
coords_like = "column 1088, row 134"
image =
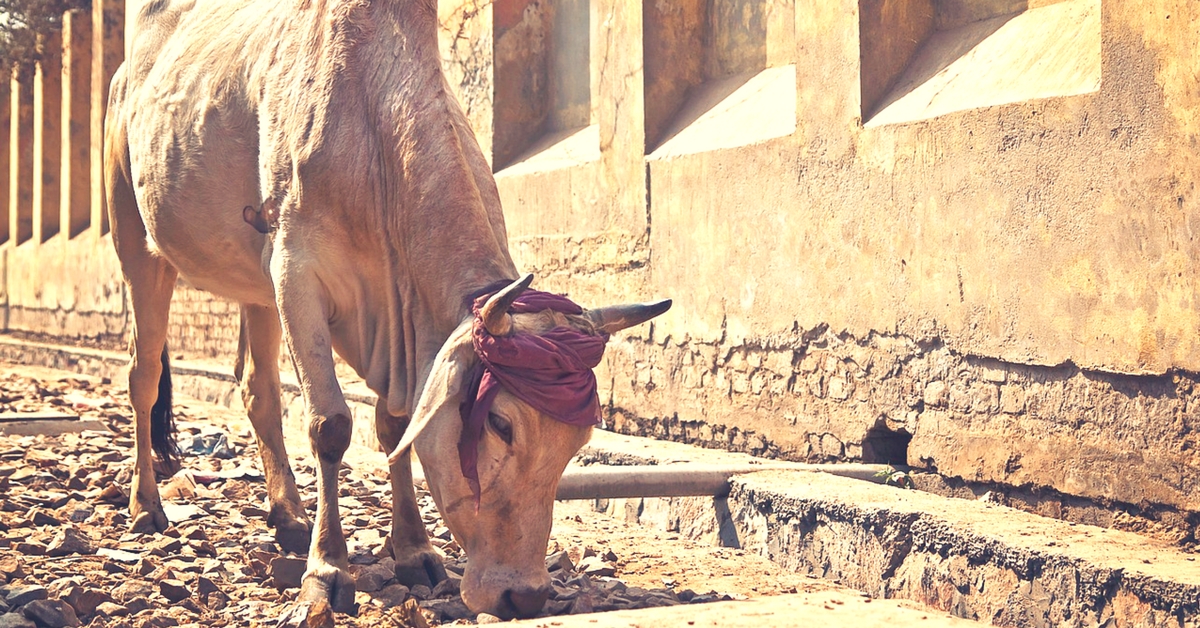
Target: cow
column 306, row 159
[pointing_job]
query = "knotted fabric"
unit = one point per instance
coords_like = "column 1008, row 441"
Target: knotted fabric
column 551, row 372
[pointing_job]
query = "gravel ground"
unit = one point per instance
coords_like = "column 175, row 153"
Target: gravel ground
column 67, row 560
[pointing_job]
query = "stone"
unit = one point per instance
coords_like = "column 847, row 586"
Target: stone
column 557, row 607
column 79, row 512
column 485, row 618
column 583, row 604
column 11, row 567
column 43, row 518
column 165, row 546
column 450, row 609
column 145, row 567
column 15, row 620
column 51, row 614
column 111, row 609
column 132, row 590
column 596, row 567
column 69, row 541
column 30, row 548
column 157, row 620
column 120, row 556
column 286, row 572
column 448, row 587
column 307, row 615
column 137, row 605
column 559, row 560
column 174, row 590
column 181, row 486
column 391, row 595
column 84, row 600
column 204, row 586
column 371, row 578
column 22, row 595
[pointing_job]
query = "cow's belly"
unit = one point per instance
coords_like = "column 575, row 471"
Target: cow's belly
column 191, row 188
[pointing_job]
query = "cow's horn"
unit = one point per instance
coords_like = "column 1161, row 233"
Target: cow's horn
column 614, row 318
column 495, row 311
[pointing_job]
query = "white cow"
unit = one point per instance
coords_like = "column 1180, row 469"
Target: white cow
column 381, row 217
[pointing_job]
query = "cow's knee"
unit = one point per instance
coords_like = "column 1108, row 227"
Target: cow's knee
column 390, row 429
column 330, row 436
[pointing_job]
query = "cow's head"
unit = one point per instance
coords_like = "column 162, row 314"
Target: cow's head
column 521, row 457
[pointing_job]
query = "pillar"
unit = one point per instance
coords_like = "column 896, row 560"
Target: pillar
column 47, row 136
column 20, row 165
column 75, row 211
column 5, row 124
column 108, row 50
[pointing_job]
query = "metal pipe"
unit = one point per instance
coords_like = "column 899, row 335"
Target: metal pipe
column 687, row 480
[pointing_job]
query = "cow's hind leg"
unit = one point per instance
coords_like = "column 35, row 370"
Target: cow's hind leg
column 151, row 281
column 260, row 391
column 306, row 328
column 416, row 560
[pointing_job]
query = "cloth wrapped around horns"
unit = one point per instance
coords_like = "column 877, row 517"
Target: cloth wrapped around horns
column 551, row 372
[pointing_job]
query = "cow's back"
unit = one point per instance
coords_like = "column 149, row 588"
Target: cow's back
column 218, row 99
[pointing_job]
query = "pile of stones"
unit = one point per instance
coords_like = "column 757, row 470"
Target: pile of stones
column 66, row 558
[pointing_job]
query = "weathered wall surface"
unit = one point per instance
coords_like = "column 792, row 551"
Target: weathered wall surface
column 1012, row 285
column 994, row 254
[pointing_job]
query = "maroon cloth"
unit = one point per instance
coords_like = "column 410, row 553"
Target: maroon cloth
column 551, row 372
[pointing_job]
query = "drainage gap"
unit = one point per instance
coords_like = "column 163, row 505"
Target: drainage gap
column 884, row 446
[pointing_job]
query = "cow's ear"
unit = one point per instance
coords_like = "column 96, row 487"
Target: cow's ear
column 443, row 389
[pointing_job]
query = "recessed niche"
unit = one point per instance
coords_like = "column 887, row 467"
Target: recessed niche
column 543, row 84
column 718, row 73
column 926, row 58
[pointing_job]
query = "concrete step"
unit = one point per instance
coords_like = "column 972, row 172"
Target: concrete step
column 828, row 608
column 971, row 558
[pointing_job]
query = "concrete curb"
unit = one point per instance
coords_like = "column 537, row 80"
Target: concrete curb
column 827, row 608
column 973, row 559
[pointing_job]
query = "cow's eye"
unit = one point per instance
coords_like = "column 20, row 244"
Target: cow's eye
column 502, row 427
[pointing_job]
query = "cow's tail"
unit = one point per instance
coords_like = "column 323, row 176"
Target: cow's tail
column 162, row 421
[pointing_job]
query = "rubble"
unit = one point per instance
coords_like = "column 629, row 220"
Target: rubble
column 67, row 559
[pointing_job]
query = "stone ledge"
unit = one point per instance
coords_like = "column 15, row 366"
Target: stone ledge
column 973, row 559
column 830, row 608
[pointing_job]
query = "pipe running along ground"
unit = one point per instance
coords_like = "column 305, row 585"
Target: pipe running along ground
column 690, row 480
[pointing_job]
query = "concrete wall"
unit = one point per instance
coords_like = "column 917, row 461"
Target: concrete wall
column 968, row 223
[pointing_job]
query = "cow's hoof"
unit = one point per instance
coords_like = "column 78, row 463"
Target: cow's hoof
column 293, row 539
column 329, row 585
column 422, row 567
column 292, row 533
column 149, row 521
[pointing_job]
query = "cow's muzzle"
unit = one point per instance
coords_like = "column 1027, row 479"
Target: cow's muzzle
column 524, row 602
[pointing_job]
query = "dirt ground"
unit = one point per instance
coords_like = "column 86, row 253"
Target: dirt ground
column 67, row 559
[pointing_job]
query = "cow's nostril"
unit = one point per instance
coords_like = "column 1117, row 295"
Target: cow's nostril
column 527, row 601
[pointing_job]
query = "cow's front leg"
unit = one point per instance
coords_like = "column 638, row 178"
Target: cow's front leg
column 303, row 311
column 416, row 560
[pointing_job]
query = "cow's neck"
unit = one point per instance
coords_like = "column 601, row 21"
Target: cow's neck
column 445, row 230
